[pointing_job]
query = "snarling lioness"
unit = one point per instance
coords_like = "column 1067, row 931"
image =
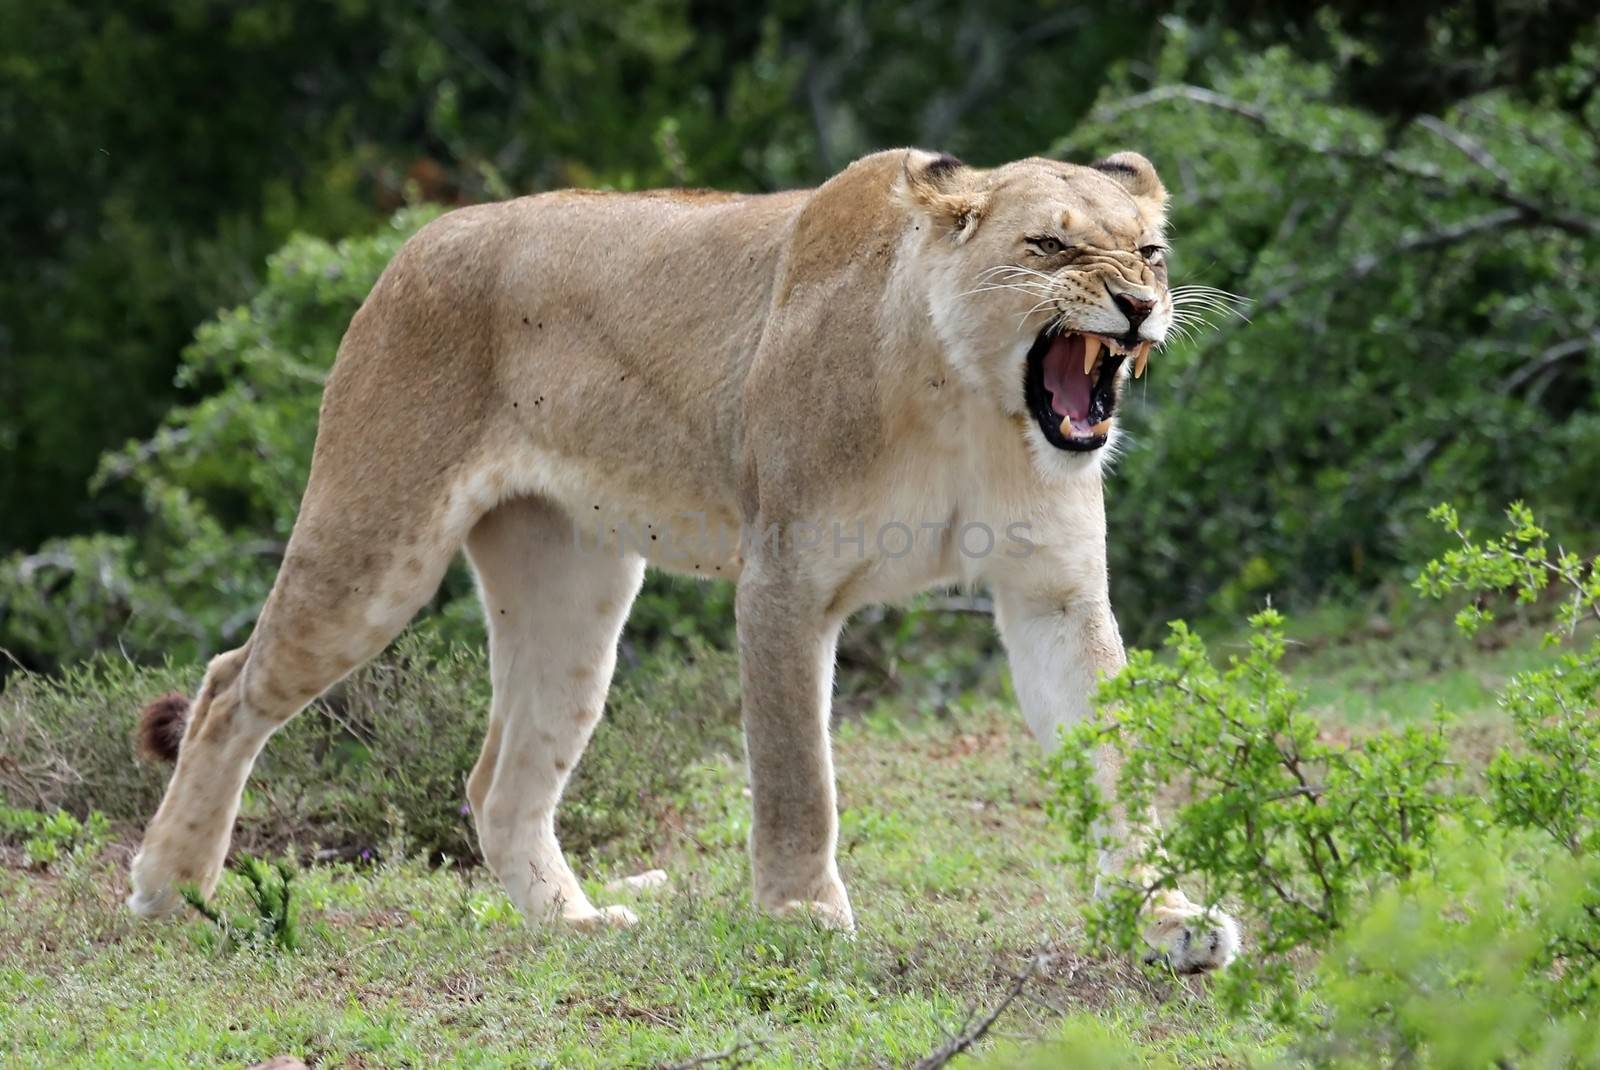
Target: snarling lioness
column 904, row 378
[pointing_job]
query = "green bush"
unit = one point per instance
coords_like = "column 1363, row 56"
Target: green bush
column 1451, row 920
column 1454, row 968
column 1410, row 328
column 1296, row 829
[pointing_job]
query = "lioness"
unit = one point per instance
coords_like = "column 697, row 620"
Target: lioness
column 904, row 378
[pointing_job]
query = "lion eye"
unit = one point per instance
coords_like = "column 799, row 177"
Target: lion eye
column 1047, row 245
column 1152, row 253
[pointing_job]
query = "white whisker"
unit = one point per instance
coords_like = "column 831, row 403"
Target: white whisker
column 1035, row 291
column 1019, row 270
column 1040, row 307
column 1195, row 288
column 1198, row 309
column 1207, row 299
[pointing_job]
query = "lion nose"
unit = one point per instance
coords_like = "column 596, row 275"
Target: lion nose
column 1137, row 309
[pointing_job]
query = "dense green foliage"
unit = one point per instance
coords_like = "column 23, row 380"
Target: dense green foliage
column 1455, row 911
column 1421, row 319
column 1406, row 196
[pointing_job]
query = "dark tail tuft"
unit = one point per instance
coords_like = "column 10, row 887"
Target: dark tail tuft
column 161, row 725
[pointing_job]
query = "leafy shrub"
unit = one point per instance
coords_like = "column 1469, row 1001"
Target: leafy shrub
column 1452, row 921
column 1407, row 330
column 380, row 763
column 220, row 481
column 1296, row 828
column 66, row 741
column 1544, row 780
column 1453, row 968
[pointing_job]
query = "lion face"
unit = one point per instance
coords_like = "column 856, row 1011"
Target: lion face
column 1050, row 279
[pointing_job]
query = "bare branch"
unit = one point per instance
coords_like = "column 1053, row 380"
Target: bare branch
column 973, row 1031
column 1366, row 263
column 735, row 1055
column 1165, row 93
column 1438, row 238
column 1550, row 357
column 1499, row 190
column 1466, row 146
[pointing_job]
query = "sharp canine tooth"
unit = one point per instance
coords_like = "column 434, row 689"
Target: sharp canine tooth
column 1091, row 351
column 1066, row 426
column 1102, row 427
column 1141, row 357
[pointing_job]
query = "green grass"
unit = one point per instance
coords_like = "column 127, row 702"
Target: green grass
column 1360, row 671
column 943, row 841
column 953, row 870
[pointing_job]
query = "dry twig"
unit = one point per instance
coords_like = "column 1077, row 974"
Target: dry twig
column 972, row 1030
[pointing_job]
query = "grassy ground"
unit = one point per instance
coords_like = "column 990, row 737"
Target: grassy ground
column 944, row 843
column 1361, row 667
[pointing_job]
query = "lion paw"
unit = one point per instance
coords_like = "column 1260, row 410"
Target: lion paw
column 1192, row 939
column 160, row 903
column 648, row 881
column 825, row 914
column 612, row 917
column 153, row 890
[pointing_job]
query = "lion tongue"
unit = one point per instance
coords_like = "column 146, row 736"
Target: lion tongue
column 1065, row 378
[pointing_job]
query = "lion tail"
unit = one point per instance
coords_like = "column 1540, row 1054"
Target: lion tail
column 161, row 726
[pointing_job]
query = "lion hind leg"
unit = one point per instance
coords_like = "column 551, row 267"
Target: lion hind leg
column 351, row 580
column 555, row 613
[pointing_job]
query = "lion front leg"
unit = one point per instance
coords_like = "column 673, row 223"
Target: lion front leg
column 786, row 652
column 1060, row 647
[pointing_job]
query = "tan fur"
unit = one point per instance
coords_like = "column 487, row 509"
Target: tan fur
column 674, row 363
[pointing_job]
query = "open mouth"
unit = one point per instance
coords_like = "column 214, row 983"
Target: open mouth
column 1070, row 386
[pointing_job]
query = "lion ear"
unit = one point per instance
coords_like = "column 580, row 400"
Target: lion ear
column 1138, row 176
column 946, row 191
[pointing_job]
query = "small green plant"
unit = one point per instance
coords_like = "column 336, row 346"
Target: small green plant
column 1547, row 781
column 1272, row 815
column 271, row 921
column 776, row 982
column 48, row 838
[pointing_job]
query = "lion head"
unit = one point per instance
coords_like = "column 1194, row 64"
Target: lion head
column 1047, row 282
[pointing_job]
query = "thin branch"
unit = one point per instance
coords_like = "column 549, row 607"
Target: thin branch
column 1498, row 190
column 122, row 465
column 973, row 1031
column 1367, row 263
column 1466, row 146
column 1196, row 94
column 733, row 1056
column 1554, row 355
